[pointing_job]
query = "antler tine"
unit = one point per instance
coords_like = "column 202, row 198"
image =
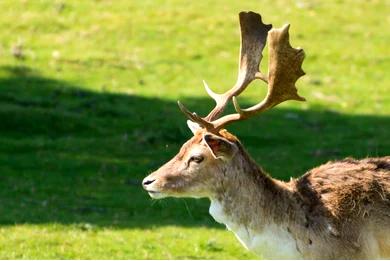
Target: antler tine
column 194, row 117
column 284, row 70
column 253, row 39
column 216, row 97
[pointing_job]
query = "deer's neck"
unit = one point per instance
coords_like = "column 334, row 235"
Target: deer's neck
column 255, row 207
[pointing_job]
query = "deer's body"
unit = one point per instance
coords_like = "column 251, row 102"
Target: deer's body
column 340, row 210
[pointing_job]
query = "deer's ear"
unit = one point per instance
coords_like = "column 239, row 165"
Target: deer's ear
column 220, row 147
column 194, row 127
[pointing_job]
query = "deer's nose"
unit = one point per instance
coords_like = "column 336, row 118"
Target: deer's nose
column 146, row 182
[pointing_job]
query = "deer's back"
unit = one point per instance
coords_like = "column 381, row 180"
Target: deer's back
column 347, row 205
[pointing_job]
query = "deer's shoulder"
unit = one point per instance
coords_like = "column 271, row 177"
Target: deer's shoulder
column 346, row 188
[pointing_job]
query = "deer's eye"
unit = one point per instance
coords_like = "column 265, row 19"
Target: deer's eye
column 196, row 159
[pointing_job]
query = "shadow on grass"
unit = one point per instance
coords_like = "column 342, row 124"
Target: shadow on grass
column 71, row 156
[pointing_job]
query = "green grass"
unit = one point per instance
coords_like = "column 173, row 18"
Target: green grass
column 88, row 94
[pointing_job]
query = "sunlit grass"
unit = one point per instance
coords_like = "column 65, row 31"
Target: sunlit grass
column 88, row 94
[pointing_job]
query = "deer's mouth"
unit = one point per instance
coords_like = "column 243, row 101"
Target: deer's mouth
column 156, row 194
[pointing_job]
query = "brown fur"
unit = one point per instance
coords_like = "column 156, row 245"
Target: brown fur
column 347, row 199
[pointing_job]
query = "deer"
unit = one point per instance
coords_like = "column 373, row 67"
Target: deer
column 339, row 210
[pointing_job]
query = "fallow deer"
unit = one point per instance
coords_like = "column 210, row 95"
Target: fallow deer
column 340, row 210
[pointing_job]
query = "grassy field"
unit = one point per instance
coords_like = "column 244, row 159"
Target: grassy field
column 88, row 94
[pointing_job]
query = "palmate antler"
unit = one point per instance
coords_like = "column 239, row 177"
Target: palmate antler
column 284, row 69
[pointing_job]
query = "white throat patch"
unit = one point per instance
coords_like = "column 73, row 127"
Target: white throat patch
column 272, row 242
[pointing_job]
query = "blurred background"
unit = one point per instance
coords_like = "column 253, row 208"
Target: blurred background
column 88, row 94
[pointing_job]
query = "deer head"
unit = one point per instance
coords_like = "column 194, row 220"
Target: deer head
column 203, row 161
